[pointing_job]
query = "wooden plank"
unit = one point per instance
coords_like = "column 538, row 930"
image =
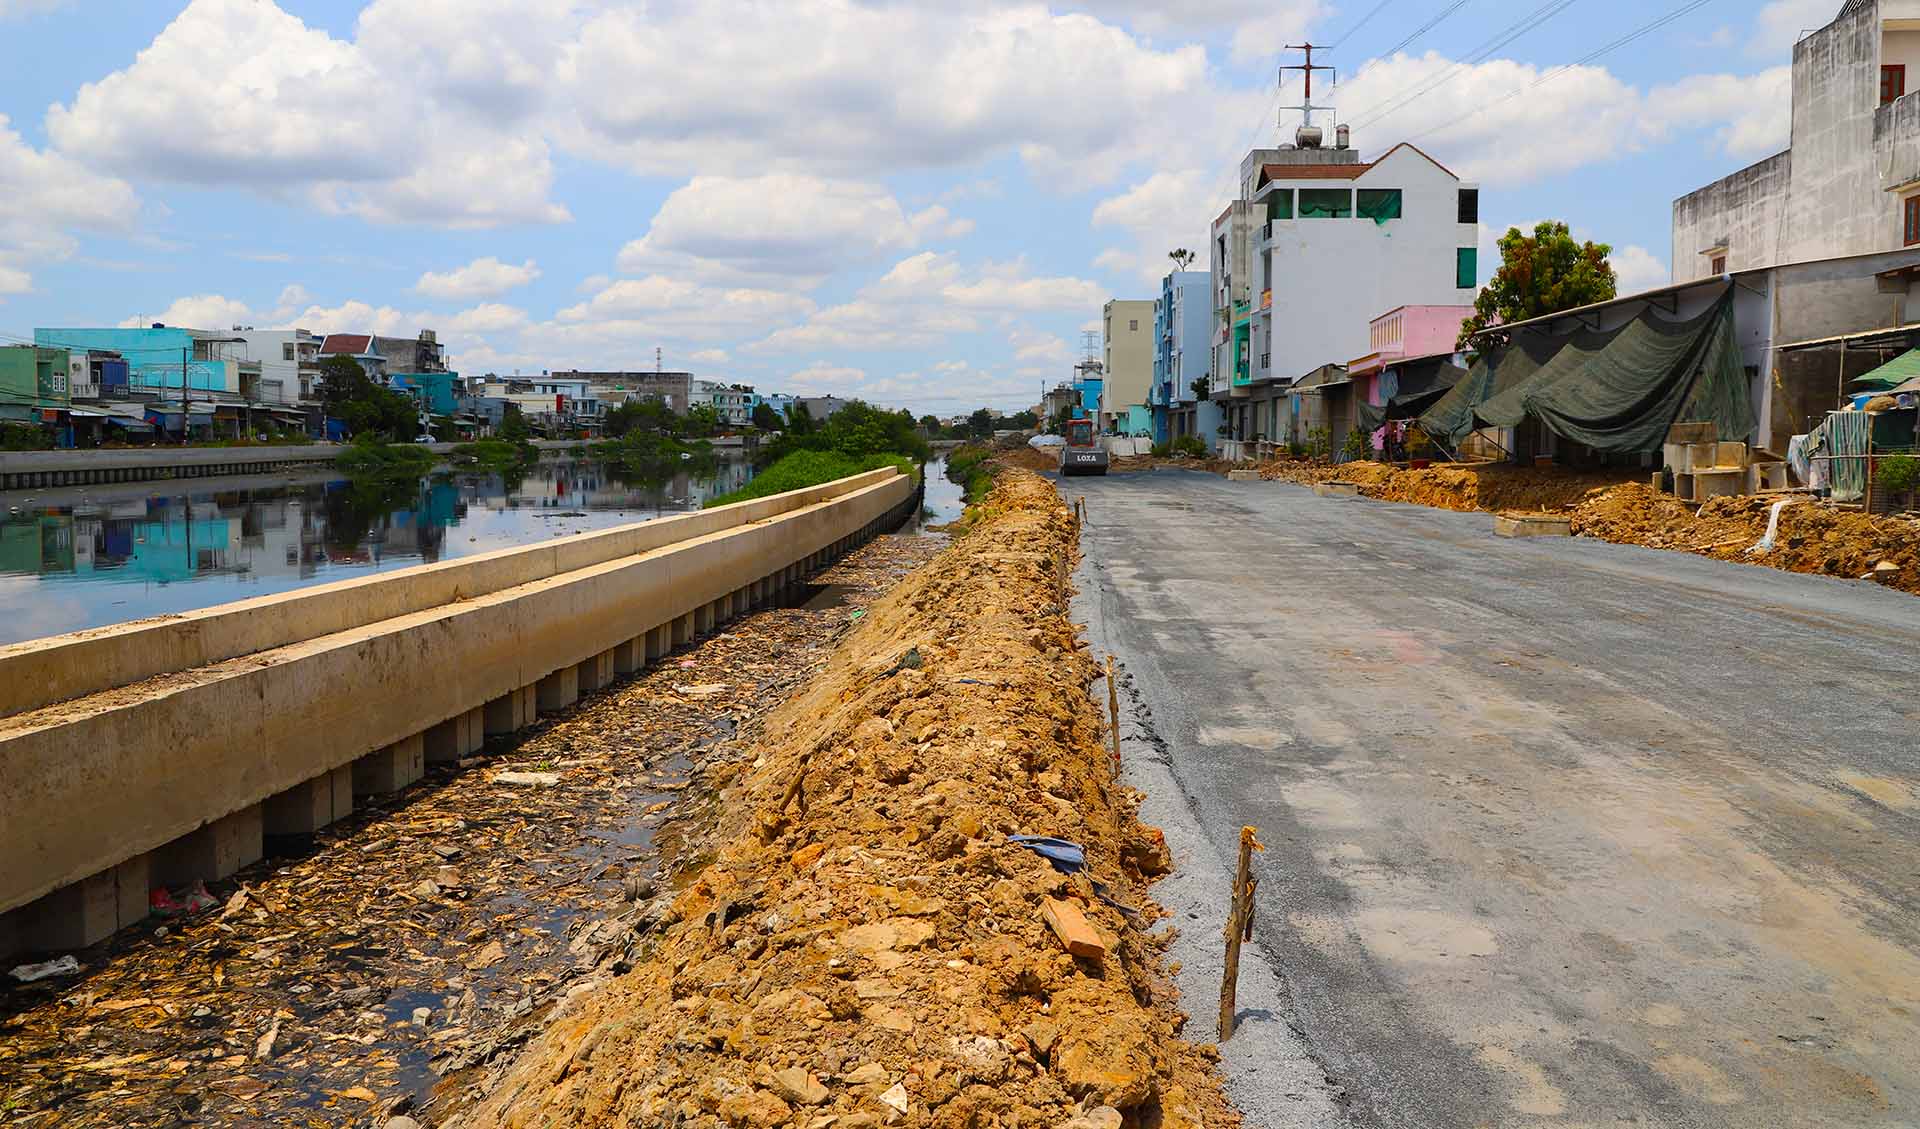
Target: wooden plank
column 1076, row 933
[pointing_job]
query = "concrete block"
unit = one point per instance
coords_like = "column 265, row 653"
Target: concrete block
column 630, row 657
column 301, row 809
column 456, row 737
column 1337, row 489
column 659, row 641
column 703, row 620
column 559, row 690
column 510, row 713
column 11, row 942
column 213, row 852
column 133, row 887
column 683, row 630
column 1243, row 476
column 595, row 672
column 1720, row 482
column 1532, row 525
column 342, row 779
column 73, row 917
column 1730, row 454
column 1767, row 476
column 390, row 769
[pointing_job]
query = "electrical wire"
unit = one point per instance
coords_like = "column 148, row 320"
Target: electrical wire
column 1644, row 30
column 1348, row 34
column 1424, row 28
column 1479, row 54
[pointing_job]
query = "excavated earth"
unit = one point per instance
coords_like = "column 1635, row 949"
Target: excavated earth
column 868, row 947
column 1489, row 486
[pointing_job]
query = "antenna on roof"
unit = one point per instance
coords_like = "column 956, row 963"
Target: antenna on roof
column 658, row 365
column 1308, row 135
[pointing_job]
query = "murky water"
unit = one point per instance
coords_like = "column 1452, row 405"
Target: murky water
column 90, row 556
column 945, row 499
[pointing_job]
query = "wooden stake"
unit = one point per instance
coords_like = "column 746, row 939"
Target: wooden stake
column 1113, row 711
column 1239, row 928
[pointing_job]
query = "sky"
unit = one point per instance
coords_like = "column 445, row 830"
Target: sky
column 922, row 203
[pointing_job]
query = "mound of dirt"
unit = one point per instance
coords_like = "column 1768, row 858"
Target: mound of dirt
column 1812, row 538
column 870, row 949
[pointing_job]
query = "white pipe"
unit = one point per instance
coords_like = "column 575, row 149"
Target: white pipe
column 1765, row 544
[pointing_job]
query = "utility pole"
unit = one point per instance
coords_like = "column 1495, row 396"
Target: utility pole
column 1307, row 68
column 186, row 398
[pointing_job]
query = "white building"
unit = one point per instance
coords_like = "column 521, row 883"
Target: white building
column 1318, row 243
column 732, row 402
column 1849, row 183
column 289, row 362
column 1127, row 349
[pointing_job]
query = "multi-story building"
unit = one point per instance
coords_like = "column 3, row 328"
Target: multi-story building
column 360, row 347
column 289, row 361
column 674, row 389
column 820, row 407
column 1126, row 357
column 177, row 378
column 420, row 353
column 1182, row 318
column 733, row 403
column 1317, row 234
column 33, row 383
column 1849, row 182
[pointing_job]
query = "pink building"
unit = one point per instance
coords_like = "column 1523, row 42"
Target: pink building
column 1402, row 334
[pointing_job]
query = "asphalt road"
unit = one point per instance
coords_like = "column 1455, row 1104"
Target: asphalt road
column 1560, row 832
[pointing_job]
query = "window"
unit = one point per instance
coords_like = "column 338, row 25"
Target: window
column 1893, row 82
column 1379, row 204
column 286, row 350
column 1280, row 205
column 1326, row 203
column 1910, row 209
column 1466, row 268
column 1719, row 264
column 1469, row 205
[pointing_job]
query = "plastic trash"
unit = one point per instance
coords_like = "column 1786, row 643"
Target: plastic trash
column 1066, row 857
column 46, row 970
column 198, row 900
column 1766, row 542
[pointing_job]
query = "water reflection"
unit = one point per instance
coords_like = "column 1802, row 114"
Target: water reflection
column 91, row 556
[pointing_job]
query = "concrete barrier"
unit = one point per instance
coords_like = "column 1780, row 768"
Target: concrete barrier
column 28, row 470
column 240, row 718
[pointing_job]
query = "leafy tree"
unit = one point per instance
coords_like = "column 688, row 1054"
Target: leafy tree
column 1202, row 387
column 701, row 421
column 857, row 430
column 1182, row 258
column 930, row 424
column 765, row 418
column 513, row 424
column 980, row 423
column 799, row 419
column 650, row 415
column 366, row 408
column 1022, row 421
column 1539, row 274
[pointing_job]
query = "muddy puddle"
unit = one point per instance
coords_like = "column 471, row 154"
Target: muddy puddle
column 368, row 970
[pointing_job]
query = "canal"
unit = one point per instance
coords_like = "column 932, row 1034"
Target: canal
column 91, row 556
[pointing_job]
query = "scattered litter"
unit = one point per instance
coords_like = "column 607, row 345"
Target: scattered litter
column 530, row 779
column 46, row 970
column 1066, row 857
column 704, row 690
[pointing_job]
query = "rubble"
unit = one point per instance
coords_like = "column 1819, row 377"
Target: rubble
column 298, row 1000
column 867, row 930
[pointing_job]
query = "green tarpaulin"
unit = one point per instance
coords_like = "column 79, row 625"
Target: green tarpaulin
column 1889, row 376
column 1421, row 385
column 1615, row 391
column 1450, row 419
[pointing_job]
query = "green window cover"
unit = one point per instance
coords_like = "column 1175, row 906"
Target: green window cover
column 1280, row 204
column 1466, row 268
column 1621, row 391
column 1326, row 203
column 1379, row 204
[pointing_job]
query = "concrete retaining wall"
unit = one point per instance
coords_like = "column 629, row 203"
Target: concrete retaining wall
column 28, row 470
column 190, row 724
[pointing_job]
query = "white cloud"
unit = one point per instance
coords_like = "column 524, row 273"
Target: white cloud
column 488, row 317
column 1636, row 269
column 289, row 110
column 201, row 311
column 785, row 229
column 1778, row 25
column 481, row 278
column 685, row 306
column 708, row 356
column 1167, row 210
column 44, row 196
column 1752, row 115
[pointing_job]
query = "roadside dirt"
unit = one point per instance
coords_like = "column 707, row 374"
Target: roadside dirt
column 1488, row 486
column 432, row 931
column 1811, row 538
column 868, row 948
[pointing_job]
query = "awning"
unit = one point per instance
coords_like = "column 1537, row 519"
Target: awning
column 1897, row 371
column 88, row 413
column 131, row 423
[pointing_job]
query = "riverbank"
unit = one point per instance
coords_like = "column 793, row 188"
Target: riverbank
column 482, row 896
column 868, row 946
column 28, row 470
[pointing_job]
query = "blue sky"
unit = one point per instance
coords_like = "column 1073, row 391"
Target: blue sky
column 923, row 203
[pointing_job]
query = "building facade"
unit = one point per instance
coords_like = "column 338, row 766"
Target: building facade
column 1182, row 318
column 1849, row 182
column 1127, row 350
column 289, row 361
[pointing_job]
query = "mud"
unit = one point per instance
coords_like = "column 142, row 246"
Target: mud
column 868, row 947
column 1488, row 486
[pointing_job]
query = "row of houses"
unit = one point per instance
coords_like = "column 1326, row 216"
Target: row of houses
column 1336, row 286
column 87, row 386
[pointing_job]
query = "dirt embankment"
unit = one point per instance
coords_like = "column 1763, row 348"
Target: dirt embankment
column 1491, row 487
column 870, row 949
column 1811, row 538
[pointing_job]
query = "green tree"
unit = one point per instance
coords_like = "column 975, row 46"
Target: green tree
column 1182, row 258
column 799, row 419
column 1539, row 274
column 765, row 418
column 701, row 421
column 649, row 415
column 513, row 423
column 980, row 423
column 366, row 408
column 930, row 424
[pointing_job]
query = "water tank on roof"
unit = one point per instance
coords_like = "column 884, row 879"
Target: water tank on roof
column 1342, row 137
column 1308, row 137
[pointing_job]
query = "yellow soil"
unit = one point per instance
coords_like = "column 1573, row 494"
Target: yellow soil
column 870, row 950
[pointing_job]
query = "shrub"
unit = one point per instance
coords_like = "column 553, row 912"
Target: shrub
column 1162, row 450
column 801, row 469
column 1899, row 474
column 369, row 457
column 1191, row 446
column 1356, row 446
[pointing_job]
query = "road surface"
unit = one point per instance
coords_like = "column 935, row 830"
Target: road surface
column 1561, row 832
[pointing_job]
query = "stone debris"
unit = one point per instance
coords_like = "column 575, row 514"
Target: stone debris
column 866, row 947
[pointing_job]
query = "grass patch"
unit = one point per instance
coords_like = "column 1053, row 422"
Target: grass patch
column 370, row 458
column 968, row 467
column 800, row 469
column 496, row 454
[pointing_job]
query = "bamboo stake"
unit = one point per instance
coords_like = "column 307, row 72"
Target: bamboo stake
column 1113, row 710
column 1239, row 928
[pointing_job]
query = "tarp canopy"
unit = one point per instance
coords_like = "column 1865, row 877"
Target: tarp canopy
column 1619, row 390
column 1421, row 386
column 1889, row 376
column 1450, row 419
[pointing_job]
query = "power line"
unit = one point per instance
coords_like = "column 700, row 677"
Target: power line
column 1479, row 54
column 1563, row 68
column 1425, row 28
column 1362, row 23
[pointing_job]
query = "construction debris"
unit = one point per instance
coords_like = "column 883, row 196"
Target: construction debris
column 883, row 943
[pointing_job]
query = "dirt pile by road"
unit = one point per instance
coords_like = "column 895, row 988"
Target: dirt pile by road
column 1811, row 538
column 869, row 948
column 1492, row 487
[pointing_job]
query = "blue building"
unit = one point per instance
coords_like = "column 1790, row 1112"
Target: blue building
column 1182, row 354
column 154, row 357
column 436, row 391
